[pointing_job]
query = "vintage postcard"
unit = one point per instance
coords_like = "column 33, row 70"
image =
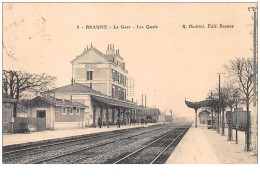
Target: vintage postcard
column 130, row 83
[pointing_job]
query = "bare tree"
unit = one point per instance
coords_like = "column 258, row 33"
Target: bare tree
column 241, row 72
column 17, row 83
column 229, row 95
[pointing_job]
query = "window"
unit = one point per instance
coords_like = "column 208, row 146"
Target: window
column 118, row 78
column 123, row 95
column 89, row 75
column 78, row 111
column 113, row 91
column 119, row 93
column 90, row 85
column 71, row 111
column 64, row 110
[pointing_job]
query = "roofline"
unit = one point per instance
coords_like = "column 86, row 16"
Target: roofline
column 57, row 104
column 80, row 106
column 84, row 52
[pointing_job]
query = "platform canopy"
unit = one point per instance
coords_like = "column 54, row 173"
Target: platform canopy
column 197, row 105
column 114, row 103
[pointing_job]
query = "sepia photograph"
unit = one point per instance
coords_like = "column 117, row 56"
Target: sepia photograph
column 129, row 83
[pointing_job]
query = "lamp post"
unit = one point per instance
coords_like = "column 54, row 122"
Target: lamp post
column 212, row 107
column 219, row 102
column 236, row 97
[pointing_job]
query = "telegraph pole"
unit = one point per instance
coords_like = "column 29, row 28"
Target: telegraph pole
column 218, row 101
column 219, row 107
column 254, row 123
column 236, row 123
column 211, row 111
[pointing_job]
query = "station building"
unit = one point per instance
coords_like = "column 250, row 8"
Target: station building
column 57, row 113
column 105, row 73
column 99, row 81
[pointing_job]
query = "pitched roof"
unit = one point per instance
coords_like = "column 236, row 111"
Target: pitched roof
column 77, row 88
column 57, row 102
column 107, row 57
column 74, row 89
column 115, row 102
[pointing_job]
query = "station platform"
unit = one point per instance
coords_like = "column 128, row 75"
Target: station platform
column 205, row 146
column 21, row 138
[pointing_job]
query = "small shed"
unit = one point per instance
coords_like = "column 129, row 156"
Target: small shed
column 204, row 117
column 58, row 113
column 149, row 113
column 7, row 113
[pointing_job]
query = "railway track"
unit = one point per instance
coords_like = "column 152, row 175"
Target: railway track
column 79, row 155
column 43, row 147
column 148, row 157
column 82, row 152
column 121, row 135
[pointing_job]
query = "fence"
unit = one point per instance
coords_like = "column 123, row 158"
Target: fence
column 38, row 123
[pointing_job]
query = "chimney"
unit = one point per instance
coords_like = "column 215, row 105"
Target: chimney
column 87, row 47
column 118, row 51
column 110, row 50
column 72, row 81
column 91, row 44
column 142, row 100
column 70, row 98
column 132, row 99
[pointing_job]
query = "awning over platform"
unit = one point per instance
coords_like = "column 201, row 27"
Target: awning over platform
column 115, row 103
column 197, row 105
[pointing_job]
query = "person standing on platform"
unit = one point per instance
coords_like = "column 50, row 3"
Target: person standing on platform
column 118, row 122
column 108, row 124
column 99, row 122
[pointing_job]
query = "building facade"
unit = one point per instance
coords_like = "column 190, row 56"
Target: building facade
column 105, row 73
column 7, row 113
column 152, row 114
column 57, row 113
column 205, row 117
column 97, row 104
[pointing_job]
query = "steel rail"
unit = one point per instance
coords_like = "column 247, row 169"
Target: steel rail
column 84, row 149
column 69, row 153
column 168, row 146
column 58, row 142
column 140, row 149
column 70, row 140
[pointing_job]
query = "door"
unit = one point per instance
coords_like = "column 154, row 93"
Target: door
column 7, row 116
column 42, row 114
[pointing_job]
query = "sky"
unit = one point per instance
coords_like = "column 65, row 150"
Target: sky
column 168, row 63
